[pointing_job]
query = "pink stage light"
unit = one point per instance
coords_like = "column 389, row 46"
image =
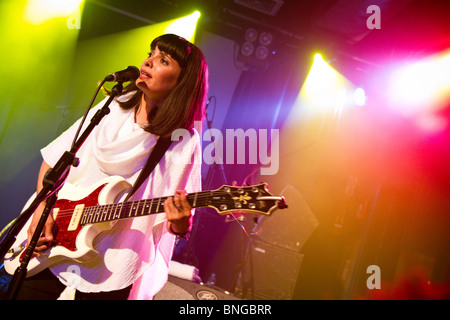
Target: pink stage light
column 421, row 87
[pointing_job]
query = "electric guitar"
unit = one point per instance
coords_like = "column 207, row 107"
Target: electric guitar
column 81, row 214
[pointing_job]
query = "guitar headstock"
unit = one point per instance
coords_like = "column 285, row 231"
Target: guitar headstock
column 252, row 199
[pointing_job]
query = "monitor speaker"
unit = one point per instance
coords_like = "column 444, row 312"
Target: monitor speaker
column 269, row 272
column 289, row 228
column 181, row 289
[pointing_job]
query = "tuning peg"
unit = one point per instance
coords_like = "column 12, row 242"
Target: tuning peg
column 282, row 203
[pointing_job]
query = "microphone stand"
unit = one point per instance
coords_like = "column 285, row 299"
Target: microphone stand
column 52, row 182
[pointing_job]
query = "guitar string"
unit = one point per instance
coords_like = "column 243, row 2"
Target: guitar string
column 140, row 205
column 203, row 195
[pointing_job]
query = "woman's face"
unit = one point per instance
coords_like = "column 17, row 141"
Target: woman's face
column 159, row 75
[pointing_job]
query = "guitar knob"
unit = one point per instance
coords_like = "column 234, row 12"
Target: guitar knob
column 223, row 207
column 251, row 205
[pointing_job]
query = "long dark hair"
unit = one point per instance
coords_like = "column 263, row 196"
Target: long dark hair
column 185, row 104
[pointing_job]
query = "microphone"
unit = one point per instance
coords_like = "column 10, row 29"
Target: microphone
column 130, row 73
column 208, row 102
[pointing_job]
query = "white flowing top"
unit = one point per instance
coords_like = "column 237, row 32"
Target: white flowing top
column 138, row 250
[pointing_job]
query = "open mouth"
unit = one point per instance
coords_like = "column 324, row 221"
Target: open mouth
column 145, row 74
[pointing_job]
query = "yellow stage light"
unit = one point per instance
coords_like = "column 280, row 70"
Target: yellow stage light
column 184, row 27
column 39, row 11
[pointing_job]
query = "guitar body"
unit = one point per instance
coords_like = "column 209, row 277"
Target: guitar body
column 69, row 244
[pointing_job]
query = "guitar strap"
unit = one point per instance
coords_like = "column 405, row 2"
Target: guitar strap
column 155, row 156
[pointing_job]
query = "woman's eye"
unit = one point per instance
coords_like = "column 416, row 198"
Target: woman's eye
column 164, row 62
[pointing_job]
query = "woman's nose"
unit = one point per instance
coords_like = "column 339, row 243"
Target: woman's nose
column 149, row 62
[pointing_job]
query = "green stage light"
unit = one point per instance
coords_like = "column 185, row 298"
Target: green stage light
column 39, row 11
column 185, row 26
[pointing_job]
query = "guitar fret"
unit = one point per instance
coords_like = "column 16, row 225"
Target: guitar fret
column 120, row 211
column 132, row 206
column 88, row 214
column 195, row 200
column 144, row 205
column 108, row 212
column 113, row 212
column 135, row 205
column 98, row 213
column 91, row 215
column 151, row 206
column 83, row 218
column 124, row 210
column 94, row 214
column 105, row 212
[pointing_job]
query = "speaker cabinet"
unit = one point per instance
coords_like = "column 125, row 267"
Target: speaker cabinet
column 181, row 289
column 270, row 272
column 289, row 228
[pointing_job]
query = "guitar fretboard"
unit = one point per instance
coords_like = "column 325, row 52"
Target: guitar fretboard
column 139, row 208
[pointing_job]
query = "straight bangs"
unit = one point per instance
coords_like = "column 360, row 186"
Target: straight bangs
column 177, row 47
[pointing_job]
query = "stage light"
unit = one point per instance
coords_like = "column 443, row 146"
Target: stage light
column 247, row 49
column 39, row 11
column 265, row 38
column 421, row 86
column 325, row 89
column 359, row 97
column 184, row 27
column 412, row 84
column 321, row 81
column 261, row 53
column 251, row 35
column 256, row 47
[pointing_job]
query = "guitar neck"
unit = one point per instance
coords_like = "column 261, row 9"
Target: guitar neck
column 137, row 208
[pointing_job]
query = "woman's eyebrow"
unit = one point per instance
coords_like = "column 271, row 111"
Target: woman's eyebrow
column 165, row 55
